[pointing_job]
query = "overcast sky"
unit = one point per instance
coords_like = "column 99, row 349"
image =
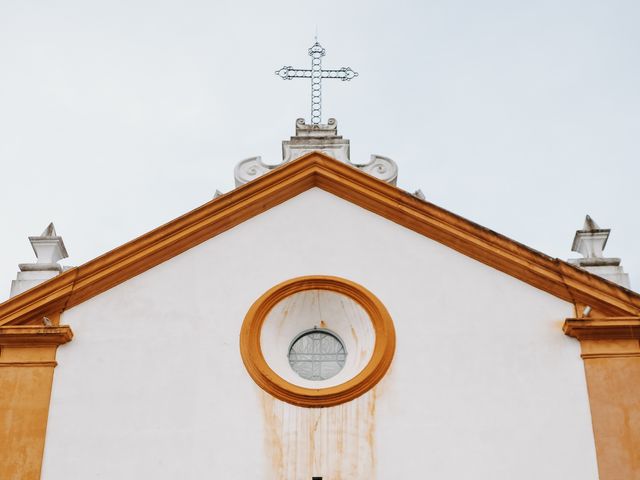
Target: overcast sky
column 117, row 116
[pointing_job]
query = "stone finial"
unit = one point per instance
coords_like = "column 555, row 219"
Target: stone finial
column 49, row 249
column 48, row 246
column 590, row 242
column 317, row 137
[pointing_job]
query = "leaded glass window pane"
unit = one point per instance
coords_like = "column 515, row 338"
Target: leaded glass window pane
column 317, row 355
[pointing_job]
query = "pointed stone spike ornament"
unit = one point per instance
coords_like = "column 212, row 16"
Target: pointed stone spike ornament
column 590, row 242
column 48, row 246
column 316, row 74
column 49, row 249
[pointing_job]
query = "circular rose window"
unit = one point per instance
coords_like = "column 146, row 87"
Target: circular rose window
column 317, row 354
column 317, row 341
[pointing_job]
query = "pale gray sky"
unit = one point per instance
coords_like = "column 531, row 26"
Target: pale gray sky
column 116, row 117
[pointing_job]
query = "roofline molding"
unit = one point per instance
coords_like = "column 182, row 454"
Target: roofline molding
column 315, row 169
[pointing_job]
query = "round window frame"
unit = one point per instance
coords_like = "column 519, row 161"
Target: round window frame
column 362, row 382
column 309, row 331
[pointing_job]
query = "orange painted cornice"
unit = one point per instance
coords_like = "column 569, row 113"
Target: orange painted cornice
column 317, row 170
column 34, row 335
column 616, row 328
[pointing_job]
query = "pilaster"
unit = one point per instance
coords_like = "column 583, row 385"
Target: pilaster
column 27, row 360
column 611, row 354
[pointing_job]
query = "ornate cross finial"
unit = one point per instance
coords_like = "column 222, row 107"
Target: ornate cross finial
column 316, row 74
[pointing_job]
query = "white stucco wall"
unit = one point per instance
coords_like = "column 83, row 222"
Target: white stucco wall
column 484, row 385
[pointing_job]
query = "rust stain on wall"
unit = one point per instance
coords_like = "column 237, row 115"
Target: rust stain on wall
column 272, row 441
column 337, row 443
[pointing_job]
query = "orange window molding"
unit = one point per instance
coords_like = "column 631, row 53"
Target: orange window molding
column 381, row 355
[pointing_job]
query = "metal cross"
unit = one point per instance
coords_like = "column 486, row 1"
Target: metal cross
column 316, row 74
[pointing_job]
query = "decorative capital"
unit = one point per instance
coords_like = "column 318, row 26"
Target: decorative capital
column 611, row 328
column 35, row 335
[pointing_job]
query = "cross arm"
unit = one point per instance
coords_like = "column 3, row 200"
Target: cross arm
column 287, row 73
column 345, row 74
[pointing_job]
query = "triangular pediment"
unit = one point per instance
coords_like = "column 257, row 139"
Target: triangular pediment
column 552, row 275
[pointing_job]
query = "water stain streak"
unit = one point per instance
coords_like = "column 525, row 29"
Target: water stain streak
column 335, row 442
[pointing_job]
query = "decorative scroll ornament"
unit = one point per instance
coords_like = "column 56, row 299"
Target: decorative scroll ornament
column 250, row 169
column 383, row 168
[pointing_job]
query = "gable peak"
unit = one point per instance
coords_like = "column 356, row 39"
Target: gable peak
column 317, row 138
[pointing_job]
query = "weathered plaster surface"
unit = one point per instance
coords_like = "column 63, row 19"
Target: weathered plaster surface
column 336, row 442
column 484, row 384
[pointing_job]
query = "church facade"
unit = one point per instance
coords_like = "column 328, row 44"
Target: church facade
column 318, row 321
